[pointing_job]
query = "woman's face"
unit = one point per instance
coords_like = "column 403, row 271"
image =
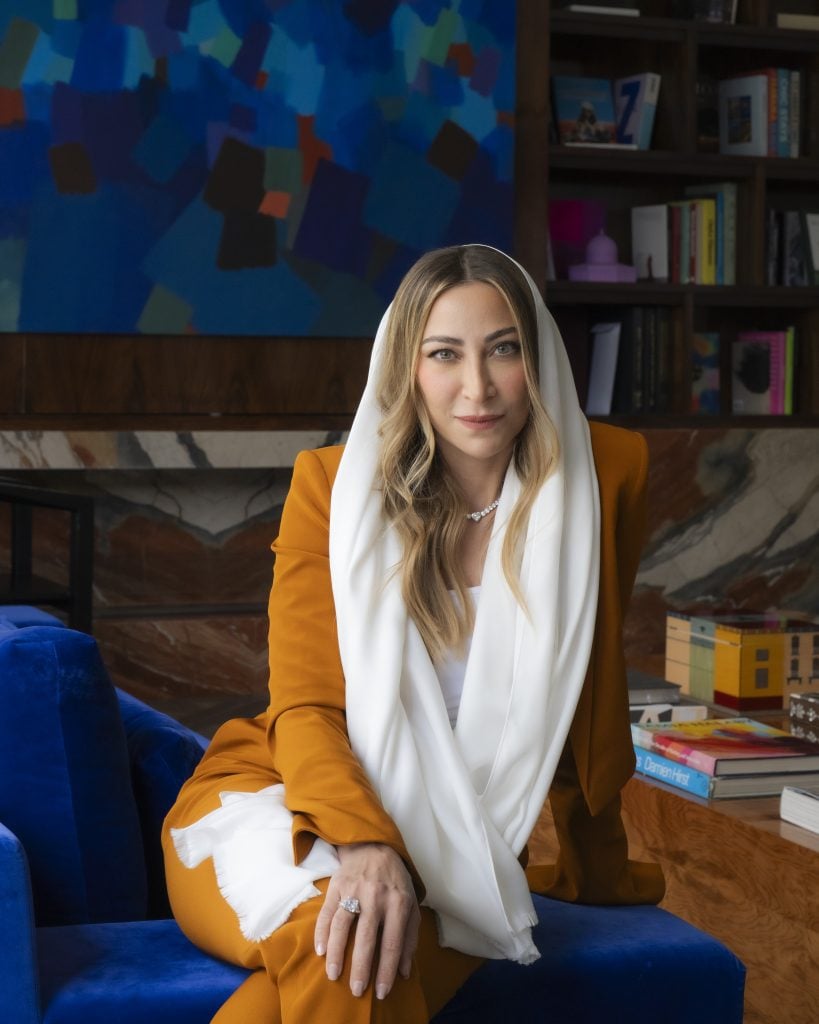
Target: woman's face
column 471, row 377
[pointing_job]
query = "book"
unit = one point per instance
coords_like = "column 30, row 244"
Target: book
column 716, row 787
column 705, row 266
column 647, row 689
column 810, row 245
column 584, row 109
column 773, row 252
column 635, row 103
column 795, row 114
column 798, row 21
column 728, row 746
column 640, row 713
column 724, row 194
column 649, row 242
column 572, row 223
column 783, row 103
column 664, row 362
column 803, row 713
column 794, row 255
column 628, row 380
column 790, row 368
column 605, row 345
column 800, row 807
column 743, row 115
column 705, row 395
column 758, row 373
column 681, row 257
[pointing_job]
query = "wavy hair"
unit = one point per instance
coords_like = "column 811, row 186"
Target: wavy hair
column 422, row 500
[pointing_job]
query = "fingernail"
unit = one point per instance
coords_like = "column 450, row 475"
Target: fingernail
column 404, row 973
column 357, row 988
column 333, row 972
column 320, row 948
column 381, row 991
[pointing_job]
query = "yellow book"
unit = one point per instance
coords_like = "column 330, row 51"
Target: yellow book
column 706, row 270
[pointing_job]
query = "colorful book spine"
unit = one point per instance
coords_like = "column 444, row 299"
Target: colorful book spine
column 672, row 772
column 773, row 107
column 783, row 99
column 795, row 109
column 706, row 241
column 705, row 397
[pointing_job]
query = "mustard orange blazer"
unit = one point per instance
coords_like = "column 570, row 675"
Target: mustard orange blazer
column 301, row 739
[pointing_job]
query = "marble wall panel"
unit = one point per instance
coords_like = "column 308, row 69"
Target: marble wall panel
column 733, row 525
column 186, row 657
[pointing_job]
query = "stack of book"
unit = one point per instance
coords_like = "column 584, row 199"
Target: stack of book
column 689, row 241
column 762, row 372
column 792, row 248
column 724, row 757
column 632, row 363
column 760, row 113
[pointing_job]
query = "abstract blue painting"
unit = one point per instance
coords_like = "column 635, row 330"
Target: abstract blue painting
column 258, row 167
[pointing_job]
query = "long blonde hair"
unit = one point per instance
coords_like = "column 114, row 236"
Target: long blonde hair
column 420, row 498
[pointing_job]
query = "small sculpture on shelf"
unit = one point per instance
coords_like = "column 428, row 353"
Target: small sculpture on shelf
column 601, row 263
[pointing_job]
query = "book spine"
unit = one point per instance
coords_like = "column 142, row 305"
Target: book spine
column 656, row 766
column 773, row 106
column 773, row 261
column 650, row 359
column 674, row 244
column 692, row 241
column 783, row 93
column 664, row 359
column 790, row 347
column 649, row 111
column 776, row 352
column 729, row 192
column 708, row 241
column 637, row 379
column 719, row 199
column 795, row 120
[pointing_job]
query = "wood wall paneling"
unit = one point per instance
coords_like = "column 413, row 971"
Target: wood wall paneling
column 12, row 363
column 124, row 375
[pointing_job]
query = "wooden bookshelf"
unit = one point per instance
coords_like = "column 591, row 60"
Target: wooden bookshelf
column 553, row 41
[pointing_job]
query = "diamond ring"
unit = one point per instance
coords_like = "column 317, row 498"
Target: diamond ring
column 352, row 906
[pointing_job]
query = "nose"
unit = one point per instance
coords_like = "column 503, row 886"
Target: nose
column 477, row 380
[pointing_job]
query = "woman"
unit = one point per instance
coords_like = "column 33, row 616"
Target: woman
column 445, row 652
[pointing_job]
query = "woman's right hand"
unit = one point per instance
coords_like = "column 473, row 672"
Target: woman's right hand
column 386, row 930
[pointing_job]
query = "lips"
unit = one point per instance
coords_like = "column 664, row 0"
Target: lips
column 479, row 422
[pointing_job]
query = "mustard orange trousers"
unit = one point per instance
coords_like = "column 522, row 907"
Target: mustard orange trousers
column 289, row 984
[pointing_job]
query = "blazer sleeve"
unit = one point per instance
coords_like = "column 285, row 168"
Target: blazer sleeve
column 598, row 758
column 326, row 787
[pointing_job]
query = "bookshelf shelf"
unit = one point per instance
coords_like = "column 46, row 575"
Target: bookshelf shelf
column 688, row 54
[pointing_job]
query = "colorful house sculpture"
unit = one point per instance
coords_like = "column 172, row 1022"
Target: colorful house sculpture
column 745, row 662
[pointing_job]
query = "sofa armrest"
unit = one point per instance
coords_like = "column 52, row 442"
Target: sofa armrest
column 163, row 755
column 19, row 989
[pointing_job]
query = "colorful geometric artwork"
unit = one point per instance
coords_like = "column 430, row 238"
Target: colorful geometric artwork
column 244, row 166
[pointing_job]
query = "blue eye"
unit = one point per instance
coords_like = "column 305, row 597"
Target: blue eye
column 507, row 348
column 443, row 355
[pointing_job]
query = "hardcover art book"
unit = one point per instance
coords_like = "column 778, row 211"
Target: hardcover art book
column 728, row 746
column 743, row 115
column 758, row 362
column 584, row 110
column 635, row 100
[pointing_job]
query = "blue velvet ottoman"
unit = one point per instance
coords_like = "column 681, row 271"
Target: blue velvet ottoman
column 86, row 777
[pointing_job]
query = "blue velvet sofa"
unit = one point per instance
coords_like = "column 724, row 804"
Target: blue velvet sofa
column 87, row 774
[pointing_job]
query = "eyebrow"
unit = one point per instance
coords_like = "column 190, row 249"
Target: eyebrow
column 445, row 339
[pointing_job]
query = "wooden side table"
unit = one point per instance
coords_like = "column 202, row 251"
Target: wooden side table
column 736, row 870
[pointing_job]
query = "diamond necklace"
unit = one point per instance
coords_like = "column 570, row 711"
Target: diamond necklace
column 476, row 517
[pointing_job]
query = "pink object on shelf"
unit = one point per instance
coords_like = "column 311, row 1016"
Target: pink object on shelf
column 601, row 263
